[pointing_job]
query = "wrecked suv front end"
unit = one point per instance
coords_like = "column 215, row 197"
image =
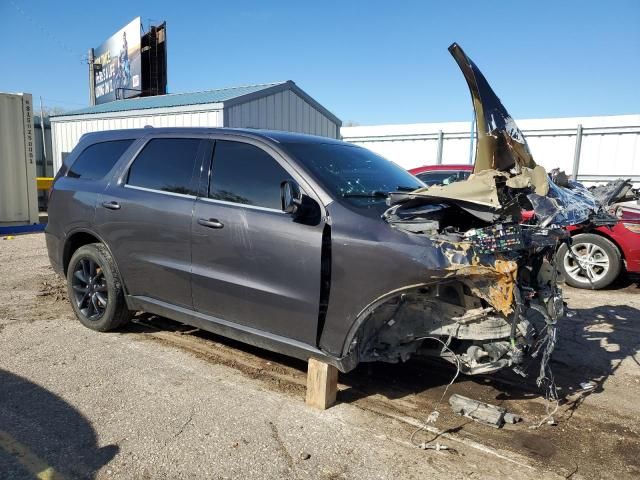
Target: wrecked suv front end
column 489, row 297
column 495, row 302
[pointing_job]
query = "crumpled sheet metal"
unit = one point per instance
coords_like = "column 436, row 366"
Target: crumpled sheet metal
column 501, row 145
column 480, row 188
column 564, row 206
column 612, row 192
column 494, row 284
column 535, row 178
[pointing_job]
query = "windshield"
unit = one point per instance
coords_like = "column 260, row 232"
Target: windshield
column 353, row 172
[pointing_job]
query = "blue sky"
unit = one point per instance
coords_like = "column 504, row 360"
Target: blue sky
column 368, row 62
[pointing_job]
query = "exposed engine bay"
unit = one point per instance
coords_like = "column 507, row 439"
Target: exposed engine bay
column 497, row 302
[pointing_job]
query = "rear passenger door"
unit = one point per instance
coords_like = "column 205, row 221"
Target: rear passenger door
column 144, row 215
column 252, row 263
column 79, row 183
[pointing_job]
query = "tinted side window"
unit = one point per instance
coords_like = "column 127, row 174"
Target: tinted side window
column 166, row 164
column 243, row 173
column 96, row 160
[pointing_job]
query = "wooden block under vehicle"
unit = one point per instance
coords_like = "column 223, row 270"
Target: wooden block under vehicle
column 322, row 384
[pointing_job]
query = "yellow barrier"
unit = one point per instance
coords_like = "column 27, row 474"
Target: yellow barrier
column 44, row 183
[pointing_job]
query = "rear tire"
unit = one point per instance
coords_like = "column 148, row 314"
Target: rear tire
column 597, row 265
column 95, row 289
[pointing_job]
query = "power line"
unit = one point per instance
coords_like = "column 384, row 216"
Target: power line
column 44, row 30
column 64, row 101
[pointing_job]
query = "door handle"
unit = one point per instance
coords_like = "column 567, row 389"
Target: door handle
column 211, row 223
column 111, row 205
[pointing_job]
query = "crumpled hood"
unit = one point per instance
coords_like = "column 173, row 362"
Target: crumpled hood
column 501, row 145
column 502, row 158
column 480, row 188
column 506, row 179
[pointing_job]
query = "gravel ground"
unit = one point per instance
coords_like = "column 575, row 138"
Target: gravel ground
column 160, row 400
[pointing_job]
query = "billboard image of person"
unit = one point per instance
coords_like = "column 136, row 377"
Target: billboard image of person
column 118, row 65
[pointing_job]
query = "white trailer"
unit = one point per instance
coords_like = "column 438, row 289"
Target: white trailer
column 592, row 149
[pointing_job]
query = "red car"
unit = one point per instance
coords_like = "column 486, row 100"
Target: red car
column 599, row 256
column 442, row 174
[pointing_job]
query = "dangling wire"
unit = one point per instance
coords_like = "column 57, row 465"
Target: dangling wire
column 433, row 416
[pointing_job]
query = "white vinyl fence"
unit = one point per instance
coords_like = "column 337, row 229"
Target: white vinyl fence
column 592, row 149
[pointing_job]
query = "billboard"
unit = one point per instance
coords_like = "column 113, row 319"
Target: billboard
column 117, row 65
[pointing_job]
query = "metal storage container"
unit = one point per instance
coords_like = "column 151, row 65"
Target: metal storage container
column 18, row 194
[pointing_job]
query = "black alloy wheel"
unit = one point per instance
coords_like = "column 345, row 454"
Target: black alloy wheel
column 95, row 289
column 90, row 289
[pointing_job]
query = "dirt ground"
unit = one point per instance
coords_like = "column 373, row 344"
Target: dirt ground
column 135, row 392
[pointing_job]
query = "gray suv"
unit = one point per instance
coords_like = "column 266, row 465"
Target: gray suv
column 303, row 245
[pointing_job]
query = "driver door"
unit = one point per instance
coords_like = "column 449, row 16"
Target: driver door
column 252, row 263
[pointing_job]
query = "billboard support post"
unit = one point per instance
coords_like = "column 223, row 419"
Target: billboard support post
column 92, row 79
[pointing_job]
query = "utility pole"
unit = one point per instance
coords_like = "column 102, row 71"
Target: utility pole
column 44, row 141
column 92, row 79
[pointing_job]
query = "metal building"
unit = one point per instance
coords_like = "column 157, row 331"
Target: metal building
column 593, row 149
column 275, row 106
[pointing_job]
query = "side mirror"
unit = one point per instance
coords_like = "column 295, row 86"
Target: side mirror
column 301, row 207
column 290, row 196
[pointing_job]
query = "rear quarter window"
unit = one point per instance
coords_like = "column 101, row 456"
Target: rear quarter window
column 98, row 159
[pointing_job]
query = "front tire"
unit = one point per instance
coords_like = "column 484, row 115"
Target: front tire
column 95, row 289
column 595, row 262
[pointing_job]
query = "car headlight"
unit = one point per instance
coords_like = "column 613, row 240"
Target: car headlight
column 633, row 227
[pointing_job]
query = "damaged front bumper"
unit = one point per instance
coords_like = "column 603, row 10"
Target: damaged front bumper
column 484, row 312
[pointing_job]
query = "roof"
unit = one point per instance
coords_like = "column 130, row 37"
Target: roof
column 227, row 96
column 36, row 122
column 219, row 95
column 277, row 136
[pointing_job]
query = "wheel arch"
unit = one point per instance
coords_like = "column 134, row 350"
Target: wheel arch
column 79, row 238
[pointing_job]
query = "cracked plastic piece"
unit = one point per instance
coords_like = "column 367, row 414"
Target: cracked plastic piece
column 570, row 206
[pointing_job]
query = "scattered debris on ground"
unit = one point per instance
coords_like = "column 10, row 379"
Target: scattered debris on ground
column 54, row 289
column 482, row 412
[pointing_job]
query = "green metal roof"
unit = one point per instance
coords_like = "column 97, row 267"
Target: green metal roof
column 174, row 100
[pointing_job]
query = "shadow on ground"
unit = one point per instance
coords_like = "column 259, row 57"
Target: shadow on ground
column 592, row 343
column 629, row 282
column 43, row 436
